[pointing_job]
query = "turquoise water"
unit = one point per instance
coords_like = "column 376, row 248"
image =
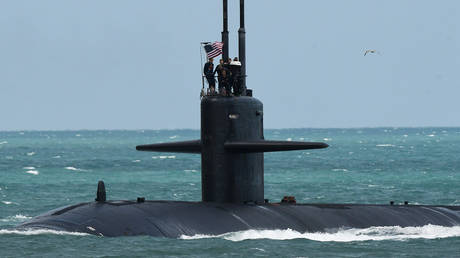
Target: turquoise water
column 43, row 170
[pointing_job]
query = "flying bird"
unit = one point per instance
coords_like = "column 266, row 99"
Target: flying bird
column 372, row 51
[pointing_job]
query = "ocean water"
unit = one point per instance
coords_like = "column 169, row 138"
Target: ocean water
column 43, row 170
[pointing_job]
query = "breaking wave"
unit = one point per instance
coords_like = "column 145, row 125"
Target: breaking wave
column 74, row 169
column 163, row 157
column 32, row 232
column 33, row 172
column 16, row 218
column 343, row 235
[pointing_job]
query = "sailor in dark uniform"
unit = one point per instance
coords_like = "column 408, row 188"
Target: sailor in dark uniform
column 219, row 69
column 235, row 69
column 208, row 71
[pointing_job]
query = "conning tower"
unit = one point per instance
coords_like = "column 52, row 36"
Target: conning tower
column 232, row 139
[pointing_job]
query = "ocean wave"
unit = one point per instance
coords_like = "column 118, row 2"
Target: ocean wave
column 7, row 202
column 33, row 172
column 384, row 145
column 74, row 169
column 16, row 218
column 29, row 168
column 395, row 233
column 30, row 153
column 163, row 157
column 32, row 232
column 190, row 170
column 340, row 169
column 3, row 142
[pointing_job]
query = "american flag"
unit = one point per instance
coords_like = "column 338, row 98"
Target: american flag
column 213, row 49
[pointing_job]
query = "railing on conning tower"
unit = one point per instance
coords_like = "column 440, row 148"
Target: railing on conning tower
column 234, row 82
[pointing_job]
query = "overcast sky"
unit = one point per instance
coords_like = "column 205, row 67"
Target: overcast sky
column 136, row 64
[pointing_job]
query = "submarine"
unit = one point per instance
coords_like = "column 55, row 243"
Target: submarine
column 232, row 147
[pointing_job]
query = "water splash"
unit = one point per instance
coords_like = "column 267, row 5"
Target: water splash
column 396, row 233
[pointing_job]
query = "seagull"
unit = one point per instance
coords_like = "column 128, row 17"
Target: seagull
column 372, row 51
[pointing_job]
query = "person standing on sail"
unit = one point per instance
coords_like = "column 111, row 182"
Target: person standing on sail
column 208, row 71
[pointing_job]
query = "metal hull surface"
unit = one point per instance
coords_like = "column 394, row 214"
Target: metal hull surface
column 174, row 219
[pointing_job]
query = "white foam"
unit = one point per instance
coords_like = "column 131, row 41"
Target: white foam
column 7, row 202
column 57, row 157
column 190, row 170
column 343, row 235
column 431, row 135
column 327, row 139
column 289, row 139
column 340, row 169
column 137, row 160
column 385, row 145
column 74, row 169
column 3, row 142
column 32, row 172
column 163, row 157
column 32, row 232
column 16, row 218
column 28, row 168
column 30, row 153
column 174, row 137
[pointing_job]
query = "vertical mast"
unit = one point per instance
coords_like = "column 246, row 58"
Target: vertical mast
column 242, row 48
column 225, row 31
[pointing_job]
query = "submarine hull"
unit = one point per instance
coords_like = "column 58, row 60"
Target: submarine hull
column 173, row 218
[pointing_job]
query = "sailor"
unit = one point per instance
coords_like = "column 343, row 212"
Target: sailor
column 219, row 69
column 224, row 85
column 235, row 69
column 208, row 71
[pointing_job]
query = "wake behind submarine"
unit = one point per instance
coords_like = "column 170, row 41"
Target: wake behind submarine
column 231, row 146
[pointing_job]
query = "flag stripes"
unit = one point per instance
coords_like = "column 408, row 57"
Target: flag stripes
column 214, row 49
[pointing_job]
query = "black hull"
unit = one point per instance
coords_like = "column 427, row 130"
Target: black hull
column 173, row 219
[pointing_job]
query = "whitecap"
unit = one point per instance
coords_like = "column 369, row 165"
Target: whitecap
column 137, row 160
column 78, row 135
column 289, row 139
column 327, row 139
column 57, row 157
column 32, row 172
column 385, row 145
column 174, row 137
column 3, row 142
column 190, row 170
column 7, row 202
column 340, row 169
column 431, row 135
column 163, row 157
column 74, row 169
column 30, row 153
column 16, row 218
column 396, row 233
column 31, row 232
column 28, row 168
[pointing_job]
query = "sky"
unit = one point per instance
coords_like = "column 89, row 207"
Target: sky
column 111, row 64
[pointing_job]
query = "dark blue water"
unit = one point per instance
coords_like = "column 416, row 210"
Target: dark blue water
column 43, row 170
